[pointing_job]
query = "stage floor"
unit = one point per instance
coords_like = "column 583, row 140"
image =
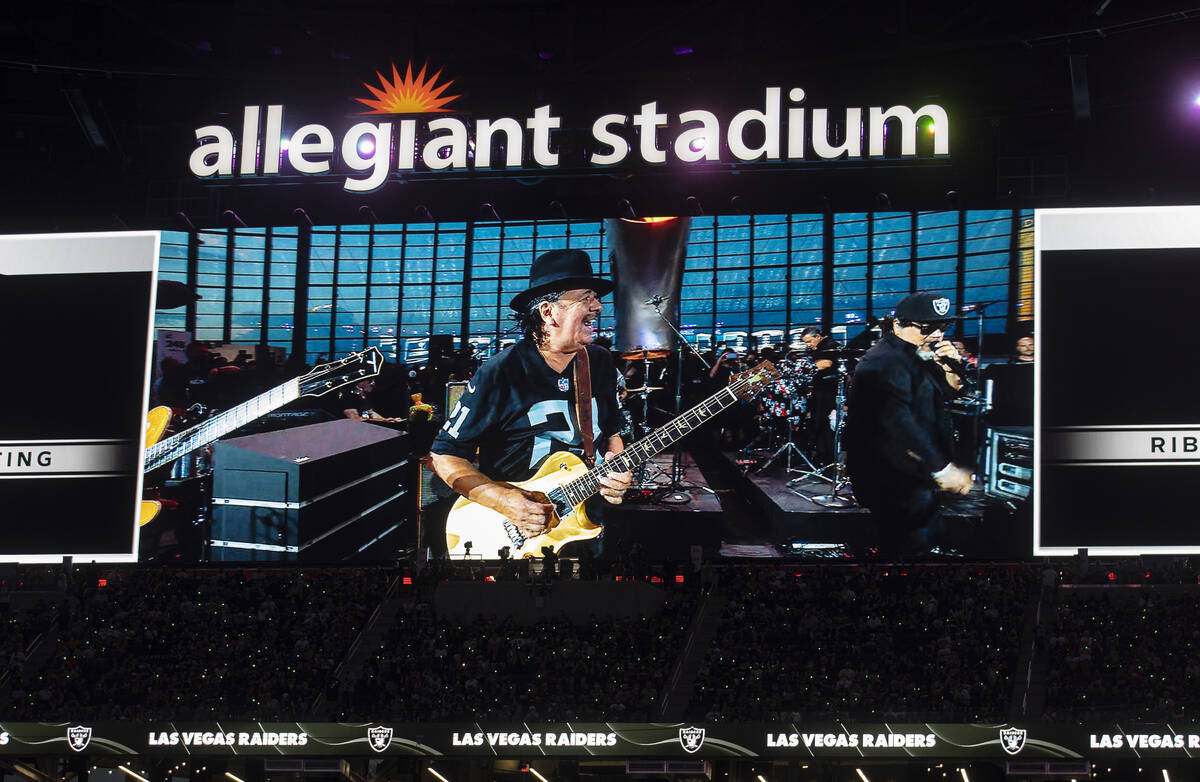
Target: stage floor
column 976, row 526
column 732, row 513
column 666, row 518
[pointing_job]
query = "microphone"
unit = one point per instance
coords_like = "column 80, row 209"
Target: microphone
column 655, row 300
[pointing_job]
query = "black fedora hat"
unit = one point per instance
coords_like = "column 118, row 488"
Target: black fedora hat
column 560, row 270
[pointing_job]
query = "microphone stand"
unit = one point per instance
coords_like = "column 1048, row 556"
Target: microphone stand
column 981, row 407
column 677, row 467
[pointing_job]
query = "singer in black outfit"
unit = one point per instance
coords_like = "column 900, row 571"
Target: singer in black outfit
column 899, row 438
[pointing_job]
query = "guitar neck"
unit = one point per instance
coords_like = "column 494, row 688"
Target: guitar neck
column 220, row 425
column 579, row 489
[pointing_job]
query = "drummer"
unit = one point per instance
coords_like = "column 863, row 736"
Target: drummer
column 822, row 351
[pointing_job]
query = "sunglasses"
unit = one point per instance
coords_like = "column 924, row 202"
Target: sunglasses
column 926, row 329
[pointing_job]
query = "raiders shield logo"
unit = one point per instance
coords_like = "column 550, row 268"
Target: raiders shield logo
column 692, row 739
column 78, row 737
column 941, row 306
column 379, row 738
column 1012, row 739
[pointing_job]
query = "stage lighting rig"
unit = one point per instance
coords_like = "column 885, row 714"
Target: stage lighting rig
column 232, row 215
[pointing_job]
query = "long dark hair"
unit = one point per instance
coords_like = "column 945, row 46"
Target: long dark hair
column 533, row 326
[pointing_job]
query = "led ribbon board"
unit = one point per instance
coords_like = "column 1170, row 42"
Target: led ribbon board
column 616, row 740
column 76, row 312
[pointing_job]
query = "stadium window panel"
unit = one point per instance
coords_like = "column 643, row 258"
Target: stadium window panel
column 172, row 265
column 891, row 260
column 744, row 276
column 988, row 243
column 937, row 234
column 937, row 251
column 247, row 285
column 211, row 259
column 482, row 315
column 384, row 296
column 768, row 303
column 173, row 256
column 807, row 240
column 171, row 320
column 549, row 237
column 849, row 284
column 487, row 251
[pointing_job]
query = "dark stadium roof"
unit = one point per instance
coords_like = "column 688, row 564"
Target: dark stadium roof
column 92, row 88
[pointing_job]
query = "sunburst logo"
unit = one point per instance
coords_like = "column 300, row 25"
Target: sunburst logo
column 419, row 95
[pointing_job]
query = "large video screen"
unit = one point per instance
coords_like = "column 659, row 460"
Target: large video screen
column 258, row 463
column 76, row 313
column 1118, row 417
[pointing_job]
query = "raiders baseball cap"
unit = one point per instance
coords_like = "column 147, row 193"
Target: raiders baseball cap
column 925, row 307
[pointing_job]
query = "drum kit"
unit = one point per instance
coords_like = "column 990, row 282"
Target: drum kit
column 632, row 396
column 639, row 398
column 786, row 419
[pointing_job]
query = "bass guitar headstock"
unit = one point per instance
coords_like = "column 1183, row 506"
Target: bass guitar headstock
column 749, row 383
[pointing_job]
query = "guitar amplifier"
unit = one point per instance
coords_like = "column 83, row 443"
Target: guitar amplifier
column 320, row 493
column 454, row 391
column 1009, row 462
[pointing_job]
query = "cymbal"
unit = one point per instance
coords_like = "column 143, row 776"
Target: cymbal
column 644, row 388
column 644, row 354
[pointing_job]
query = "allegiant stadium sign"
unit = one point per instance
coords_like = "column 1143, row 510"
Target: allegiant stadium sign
column 368, row 153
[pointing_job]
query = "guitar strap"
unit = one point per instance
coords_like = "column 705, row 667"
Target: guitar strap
column 583, row 404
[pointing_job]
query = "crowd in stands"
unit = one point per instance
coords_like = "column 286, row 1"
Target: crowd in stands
column 198, row 644
column 1124, row 653
column 20, row 629
column 846, row 643
column 810, row 642
column 427, row 668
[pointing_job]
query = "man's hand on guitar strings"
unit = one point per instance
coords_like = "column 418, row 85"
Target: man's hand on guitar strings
column 527, row 511
column 614, row 485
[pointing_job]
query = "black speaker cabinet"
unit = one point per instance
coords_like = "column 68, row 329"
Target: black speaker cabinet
column 327, row 492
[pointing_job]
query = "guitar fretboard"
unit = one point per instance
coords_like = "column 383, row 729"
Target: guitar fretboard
column 220, row 425
column 579, row 489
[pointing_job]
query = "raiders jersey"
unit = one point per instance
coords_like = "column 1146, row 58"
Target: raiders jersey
column 517, row 410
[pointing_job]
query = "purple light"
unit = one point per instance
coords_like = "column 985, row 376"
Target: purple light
column 682, row 50
column 366, row 146
column 285, row 143
column 697, row 145
column 544, row 54
column 1196, row 100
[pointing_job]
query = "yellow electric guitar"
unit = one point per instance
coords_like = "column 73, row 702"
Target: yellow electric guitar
column 564, row 480
column 319, row 381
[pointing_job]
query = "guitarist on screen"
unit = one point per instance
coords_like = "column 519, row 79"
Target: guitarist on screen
column 523, row 405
